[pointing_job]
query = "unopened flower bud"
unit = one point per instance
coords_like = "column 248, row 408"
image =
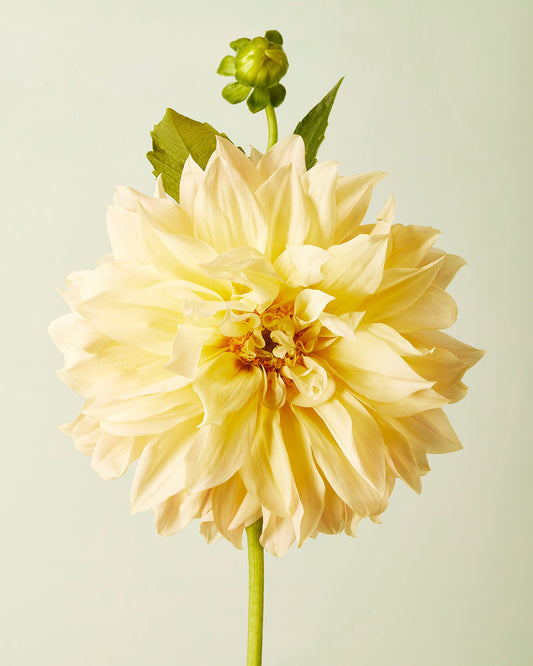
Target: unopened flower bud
column 260, row 63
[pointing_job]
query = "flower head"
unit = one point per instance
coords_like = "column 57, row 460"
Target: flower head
column 261, row 351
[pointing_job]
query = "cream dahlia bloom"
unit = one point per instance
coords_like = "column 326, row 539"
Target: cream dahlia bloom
column 262, row 353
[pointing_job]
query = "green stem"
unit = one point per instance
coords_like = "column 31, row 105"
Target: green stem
column 272, row 125
column 255, row 594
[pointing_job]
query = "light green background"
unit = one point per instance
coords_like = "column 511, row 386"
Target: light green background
column 438, row 94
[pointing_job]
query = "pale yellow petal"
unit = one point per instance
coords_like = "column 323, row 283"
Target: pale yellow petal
column 191, row 180
column 177, row 511
column 372, row 368
column 367, row 439
column 125, row 237
column 430, row 431
column 410, row 245
column 226, row 212
column 354, row 271
column 266, row 472
column 400, row 288
column 353, row 194
column 465, row 353
column 337, row 469
column 227, row 499
column 417, row 402
column 288, row 150
column 402, row 457
column 302, row 264
column 186, row 349
column 137, row 317
column 320, row 184
column 84, row 431
column 434, row 309
column 395, row 340
column 333, row 517
column 225, row 385
column 286, row 210
column 113, row 454
column 161, row 470
column 221, row 452
column 309, row 305
column 307, row 480
column 388, row 211
column 237, row 159
column 278, row 534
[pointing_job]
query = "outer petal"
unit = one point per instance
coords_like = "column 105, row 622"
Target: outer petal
column 353, row 195
column 266, row 472
column 113, row 455
column 217, row 456
column 308, row 482
column 226, row 213
column 138, row 317
column 177, row 511
column 161, row 469
column 410, row 245
column 372, row 369
column 430, row 431
column 354, row 271
column 238, row 160
column 286, row 210
column 289, row 150
column 320, row 183
column 191, row 180
column 340, row 473
column 278, row 534
column 400, row 288
column 435, row 309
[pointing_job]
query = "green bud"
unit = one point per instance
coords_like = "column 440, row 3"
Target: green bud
column 258, row 99
column 260, row 63
column 235, row 93
column 277, row 94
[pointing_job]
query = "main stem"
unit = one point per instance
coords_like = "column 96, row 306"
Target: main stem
column 272, row 125
column 255, row 594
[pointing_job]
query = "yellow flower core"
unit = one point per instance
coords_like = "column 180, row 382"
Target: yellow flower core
column 273, row 341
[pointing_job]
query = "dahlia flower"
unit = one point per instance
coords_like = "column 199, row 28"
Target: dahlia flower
column 260, row 351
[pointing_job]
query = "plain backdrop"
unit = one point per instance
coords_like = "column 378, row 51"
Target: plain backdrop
column 437, row 94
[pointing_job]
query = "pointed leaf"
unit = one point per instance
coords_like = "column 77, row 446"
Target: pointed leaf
column 312, row 128
column 173, row 140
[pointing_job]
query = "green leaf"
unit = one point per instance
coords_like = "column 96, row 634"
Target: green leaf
column 258, row 99
column 235, row 92
column 274, row 36
column 173, row 140
column 312, row 128
column 227, row 66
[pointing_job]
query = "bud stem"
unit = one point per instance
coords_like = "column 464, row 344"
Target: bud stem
column 255, row 601
column 272, row 125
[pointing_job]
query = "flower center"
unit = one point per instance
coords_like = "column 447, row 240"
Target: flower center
column 271, row 341
column 281, row 342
